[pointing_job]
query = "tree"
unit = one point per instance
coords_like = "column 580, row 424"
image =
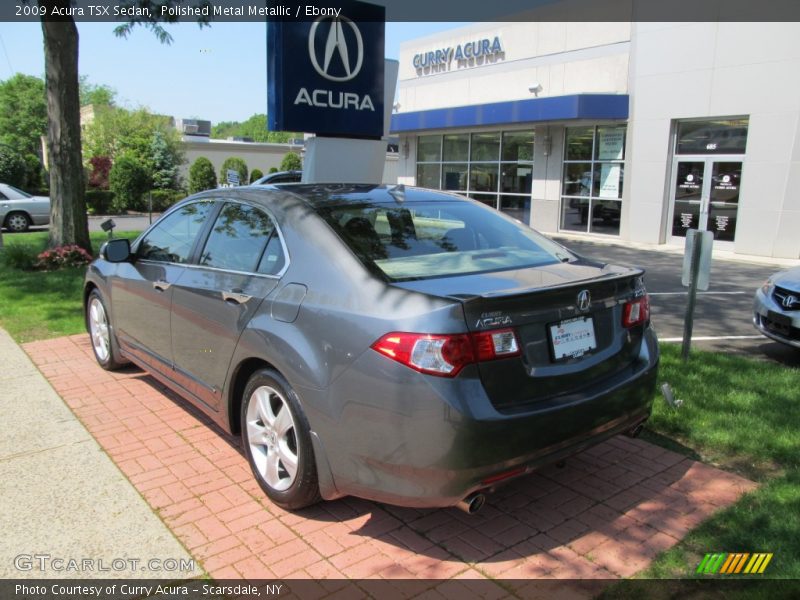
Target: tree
column 255, row 128
column 201, row 175
column 98, row 95
column 68, row 223
column 23, row 113
column 255, row 175
column 128, row 181
column 291, row 162
column 12, row 167
column 164, row 162
column 235, row 164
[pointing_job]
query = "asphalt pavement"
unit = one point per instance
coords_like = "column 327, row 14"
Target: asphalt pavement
column 723, row 314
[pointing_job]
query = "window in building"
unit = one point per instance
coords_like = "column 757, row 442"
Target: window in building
column 493, row 167
column 591, row 194
column 716, row 136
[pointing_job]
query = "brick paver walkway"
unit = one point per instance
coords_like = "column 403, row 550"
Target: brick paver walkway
column 605, row 515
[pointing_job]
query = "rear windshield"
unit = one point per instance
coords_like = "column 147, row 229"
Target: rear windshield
column 438, row 239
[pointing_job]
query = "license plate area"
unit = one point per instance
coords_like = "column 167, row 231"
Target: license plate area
column 778, row 318
column 572, row 338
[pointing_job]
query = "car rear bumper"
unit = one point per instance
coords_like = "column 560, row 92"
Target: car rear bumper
column 430, row 442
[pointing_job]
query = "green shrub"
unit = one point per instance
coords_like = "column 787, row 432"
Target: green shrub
column 12, row 167
column 256, row 175
column 291, row 162
column 99, row 202
column 235, row 164
column 19, row 256
column 128, row 181
column 163, row 199
column 34, row 172
column 273, row 169
column 201, row 175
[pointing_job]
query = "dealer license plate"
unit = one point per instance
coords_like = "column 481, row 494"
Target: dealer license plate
column 572, row 338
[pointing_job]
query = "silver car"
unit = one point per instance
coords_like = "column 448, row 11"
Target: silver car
column 19, row 210
column 776, row 310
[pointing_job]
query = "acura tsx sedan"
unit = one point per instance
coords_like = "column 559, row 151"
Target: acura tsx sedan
column 398, row 344
column 776, row 307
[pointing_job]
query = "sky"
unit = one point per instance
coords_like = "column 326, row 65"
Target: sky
column 216, row 73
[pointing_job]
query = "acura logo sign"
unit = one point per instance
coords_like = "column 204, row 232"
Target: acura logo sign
column 350, row 58
column 584, row 300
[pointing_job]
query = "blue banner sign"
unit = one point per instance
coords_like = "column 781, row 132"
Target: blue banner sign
column 325, row 73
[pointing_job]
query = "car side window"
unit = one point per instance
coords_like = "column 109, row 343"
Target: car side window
column 241, row 240
column 273, row 259
column 171, row 240
column 3, row 196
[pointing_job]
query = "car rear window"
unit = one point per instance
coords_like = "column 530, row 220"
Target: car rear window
column 438, row 239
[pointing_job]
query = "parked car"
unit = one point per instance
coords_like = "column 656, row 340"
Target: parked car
column 19, row 210
column 398, row 344
column 280, row 177
column 776, row 309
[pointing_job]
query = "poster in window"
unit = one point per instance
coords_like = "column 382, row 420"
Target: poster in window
column 610, row 143
column 609, row 181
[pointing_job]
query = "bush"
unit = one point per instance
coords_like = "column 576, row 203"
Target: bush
column 202, row 176
column 235, row 164
column 12, row 167
column 99, row 202
column 100, row 167
column 291, row 162
column 34, row 172
column 256, row 175
column 62, row 257
column 18, row 256
column 128, row 181
column 163, row 199
column 273, row 169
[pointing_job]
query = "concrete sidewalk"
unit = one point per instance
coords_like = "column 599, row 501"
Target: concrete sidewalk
column 62, row 498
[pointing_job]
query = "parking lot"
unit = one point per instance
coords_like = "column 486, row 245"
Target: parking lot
column 723, row 315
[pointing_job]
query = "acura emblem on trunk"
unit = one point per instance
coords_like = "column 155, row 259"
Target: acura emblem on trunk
column 584, row 300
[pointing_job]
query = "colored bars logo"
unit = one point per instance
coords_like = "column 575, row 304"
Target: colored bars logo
column 734, row 563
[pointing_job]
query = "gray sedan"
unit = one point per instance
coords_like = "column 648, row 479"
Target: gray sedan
column 776, row 309
column 19, row 210
column 398, row 344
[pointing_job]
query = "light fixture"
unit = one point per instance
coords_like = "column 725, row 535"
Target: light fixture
column 535, row 88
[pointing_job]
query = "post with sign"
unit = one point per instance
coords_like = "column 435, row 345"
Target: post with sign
column 325, row 75
column 696, row 273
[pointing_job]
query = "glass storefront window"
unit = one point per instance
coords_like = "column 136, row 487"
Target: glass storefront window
column 456, row 148
column 592, row 181
column 429, row 148
column 454, row 177
column 517, row 146
column 482, row 166
column 716, row 136
column 579, row 143
column 485, row 147
column 428, row 176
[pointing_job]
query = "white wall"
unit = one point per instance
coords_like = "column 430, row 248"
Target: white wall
column 257, row 156
column 691, row 70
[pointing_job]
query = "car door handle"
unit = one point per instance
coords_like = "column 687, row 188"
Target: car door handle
column 161, row 285
column 235, row 296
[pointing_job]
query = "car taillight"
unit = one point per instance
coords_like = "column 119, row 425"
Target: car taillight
column 636, row 312
column 445, row 355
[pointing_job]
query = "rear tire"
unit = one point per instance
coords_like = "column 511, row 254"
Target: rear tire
column 277, row 442
column 18, row 222
column 101, row 333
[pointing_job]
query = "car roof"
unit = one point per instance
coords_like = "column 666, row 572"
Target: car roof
column 335, row 194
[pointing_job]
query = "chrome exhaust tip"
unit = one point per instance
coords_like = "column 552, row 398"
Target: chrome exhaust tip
column 472, row 503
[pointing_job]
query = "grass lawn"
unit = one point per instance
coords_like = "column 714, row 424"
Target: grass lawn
column 742, row 415
column 38, row 304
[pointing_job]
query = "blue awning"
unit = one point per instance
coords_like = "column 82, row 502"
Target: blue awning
column 532, row 110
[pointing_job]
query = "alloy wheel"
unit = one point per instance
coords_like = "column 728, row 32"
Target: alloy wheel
column 98, row 328
column 17, row 222
column 272, row 437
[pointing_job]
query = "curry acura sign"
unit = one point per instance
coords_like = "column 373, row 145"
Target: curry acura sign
column 325, row 76
column 467, row 54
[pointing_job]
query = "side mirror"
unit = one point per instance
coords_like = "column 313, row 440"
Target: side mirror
column 117, row 250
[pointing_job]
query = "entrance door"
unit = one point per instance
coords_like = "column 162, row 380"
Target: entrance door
column 705, row 195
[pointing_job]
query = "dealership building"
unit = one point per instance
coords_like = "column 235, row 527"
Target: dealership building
column 635, row 131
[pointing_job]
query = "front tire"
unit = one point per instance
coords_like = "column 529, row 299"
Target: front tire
column 18, row 222
column 277, row 443
column 104, row 342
